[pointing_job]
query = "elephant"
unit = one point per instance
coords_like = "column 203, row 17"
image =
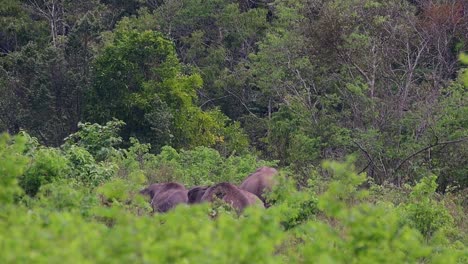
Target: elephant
column 239, row 199
column 196, row 193
column 259, row 182
column 165, row 196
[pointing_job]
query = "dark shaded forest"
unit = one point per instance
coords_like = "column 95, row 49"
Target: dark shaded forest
column 362, row 105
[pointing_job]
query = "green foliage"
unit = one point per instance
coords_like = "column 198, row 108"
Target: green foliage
column 17, row 28
column 99, row 140
column 342, row 191
column 423, row 212
column 199, row 166
column 297, row 207
column 371, row 235
column 359, row 232
column 85, row 170
column 297, row 140
column 65, row 229
column 36, row 93
column 307, row 80
column 163, row 238
column 47, row 165
column 233, row 141
column 154, row 98
column 70, row 218
column 464, row 59
column 89, row 151
column 64, row 195
column 451, row 126
column 304, row 81
column 214, row 38
column 114, row 190
column 119, row 188
column 12, row 165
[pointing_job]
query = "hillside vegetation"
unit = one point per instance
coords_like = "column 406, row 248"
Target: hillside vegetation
column 362, row 105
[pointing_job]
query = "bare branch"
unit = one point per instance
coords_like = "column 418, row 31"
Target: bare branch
column 365, row 168
column 213, row 99
column 366, row 153
column 426, row 148
column 240, row 100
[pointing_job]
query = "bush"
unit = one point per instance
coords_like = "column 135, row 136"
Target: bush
column 12, row 165
column 79, row 217
column 47, row 165
column 297, row 207
column 124, row 193
column 185, row 234
column 99, row 140
column 64, row 195
column 85, row 170
column 423, row 212
column 354, row 231
column 199, row 166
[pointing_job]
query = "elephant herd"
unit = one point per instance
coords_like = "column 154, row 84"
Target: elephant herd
column 164, row 196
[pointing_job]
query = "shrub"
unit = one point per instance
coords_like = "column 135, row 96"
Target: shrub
column 199, row 166
column 423, row 212
column 297, row 207
column 85, row 170
column 124, row 193
column 12, row 165
column 66, row 196
column 72, row 220
column 47, row 165
column 99, row 140
column 354, row 231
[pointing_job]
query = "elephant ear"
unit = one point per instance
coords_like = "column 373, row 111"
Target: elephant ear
column 192, row 194
column 147, row 191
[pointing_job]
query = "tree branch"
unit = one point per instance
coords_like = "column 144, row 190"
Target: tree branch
column 242, row 103
column 426, row 148
column 371, row 161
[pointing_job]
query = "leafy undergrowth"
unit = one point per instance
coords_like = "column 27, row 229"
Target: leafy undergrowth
column 69, row 205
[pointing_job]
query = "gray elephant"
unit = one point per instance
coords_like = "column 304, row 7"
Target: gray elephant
column 165, row 196
column 259, row 182
column 239, row 199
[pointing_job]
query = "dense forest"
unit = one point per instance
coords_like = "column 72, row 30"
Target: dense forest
column 361, row 105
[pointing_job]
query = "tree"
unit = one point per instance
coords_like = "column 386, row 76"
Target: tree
column 48, row 50
column 138, row 79
column 17, row 28
column 361, row 76
column 37, row 93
